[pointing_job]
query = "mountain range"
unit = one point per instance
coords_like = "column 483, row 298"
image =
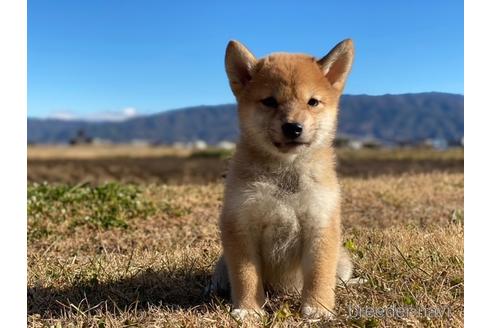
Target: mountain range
column 389, row 118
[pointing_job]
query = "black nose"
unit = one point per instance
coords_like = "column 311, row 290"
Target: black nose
column 292, row 130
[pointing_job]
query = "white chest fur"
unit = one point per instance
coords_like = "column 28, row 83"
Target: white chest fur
column 278, row 218
column 264, row 203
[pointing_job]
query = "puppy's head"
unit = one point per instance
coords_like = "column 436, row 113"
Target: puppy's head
column 288, row 102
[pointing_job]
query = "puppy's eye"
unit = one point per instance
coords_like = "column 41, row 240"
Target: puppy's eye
column 313, row 102
column 270, row 102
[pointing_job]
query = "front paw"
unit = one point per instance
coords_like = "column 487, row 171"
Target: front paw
column 316, row 313
column 242, row 314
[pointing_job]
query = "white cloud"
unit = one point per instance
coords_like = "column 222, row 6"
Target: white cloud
column 129, row 112
column 63, row 115
column 113, row 116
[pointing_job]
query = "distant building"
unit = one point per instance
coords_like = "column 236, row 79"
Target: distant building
column 436, row 143
column 199, row 144
column 406, row 143
column 227, row 145
column 371, row 143
column 456, row 142
column 156, row 143
column 355, row 144
column 80, row 139
column 341, row 142
column 139, row 143
column 99, row 141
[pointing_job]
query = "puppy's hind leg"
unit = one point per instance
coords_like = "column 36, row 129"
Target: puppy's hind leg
column 345, row 270
column 219, row 284
column 344, row 266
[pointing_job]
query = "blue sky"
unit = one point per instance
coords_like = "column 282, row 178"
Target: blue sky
column 97, row 58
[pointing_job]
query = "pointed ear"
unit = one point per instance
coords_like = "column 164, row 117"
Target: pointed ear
column 239, row 63
column 337, row 63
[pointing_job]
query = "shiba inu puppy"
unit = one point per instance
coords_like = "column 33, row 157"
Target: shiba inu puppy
column 280, row 223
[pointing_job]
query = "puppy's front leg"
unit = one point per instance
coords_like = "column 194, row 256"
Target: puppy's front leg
column 244, row 268
column 320, row 255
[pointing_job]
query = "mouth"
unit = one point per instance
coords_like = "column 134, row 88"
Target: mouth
column 290, row 145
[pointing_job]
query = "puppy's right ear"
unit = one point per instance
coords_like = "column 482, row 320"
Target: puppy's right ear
column 239, row 63
column 336, row 65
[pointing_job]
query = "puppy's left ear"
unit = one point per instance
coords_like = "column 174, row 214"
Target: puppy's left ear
column 337, row 63
column 239, row 63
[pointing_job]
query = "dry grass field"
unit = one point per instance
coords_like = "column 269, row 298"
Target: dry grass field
column 145, row 165
column 138, row 251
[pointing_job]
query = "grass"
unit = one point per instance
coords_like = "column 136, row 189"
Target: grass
column 80, row 152
column 61, row 208
column 212, row 153
column 143, row 165
column 147, row 251
column 43, row 152
column 401, row 154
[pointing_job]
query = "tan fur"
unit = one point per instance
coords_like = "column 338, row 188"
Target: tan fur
column 280, row 224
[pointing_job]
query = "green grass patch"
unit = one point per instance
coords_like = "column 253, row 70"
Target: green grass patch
column 212, row 153
column 106, row 206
